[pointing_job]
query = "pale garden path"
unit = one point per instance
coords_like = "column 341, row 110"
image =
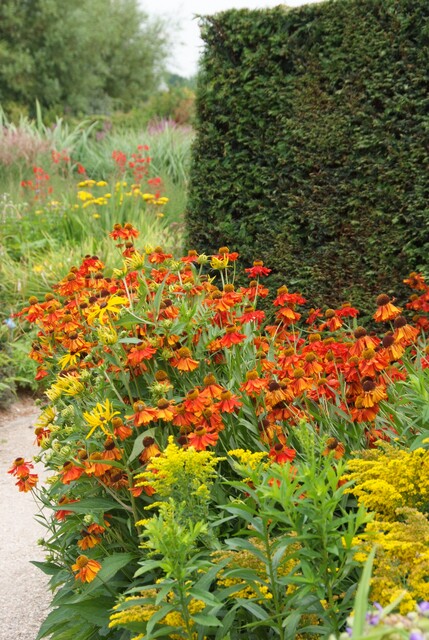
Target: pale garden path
column 24, row 594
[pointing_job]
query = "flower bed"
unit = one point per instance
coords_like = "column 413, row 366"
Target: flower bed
column 198, row 451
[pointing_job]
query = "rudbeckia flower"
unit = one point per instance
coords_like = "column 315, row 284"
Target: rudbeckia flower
column 105, row 307
column 99, row 416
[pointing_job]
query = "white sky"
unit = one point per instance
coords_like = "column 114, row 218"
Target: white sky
column 185, row 53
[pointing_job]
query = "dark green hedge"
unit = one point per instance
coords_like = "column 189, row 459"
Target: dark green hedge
column 312, row 150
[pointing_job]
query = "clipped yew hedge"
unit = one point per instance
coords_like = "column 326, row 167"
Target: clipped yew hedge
column 312, row 150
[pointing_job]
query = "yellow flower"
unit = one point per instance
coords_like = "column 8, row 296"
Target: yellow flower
column 68, row 385
column 68, row 359
column 101, row 183
column 219, row 263
column 37, row 268
column 103, row 308
column 99, row 416
column 188, row 466
column 248, row 458
column 85, row 195
column 46, row 417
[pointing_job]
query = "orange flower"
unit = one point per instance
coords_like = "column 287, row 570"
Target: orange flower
column 372, row 362
column 142, row 352
column 143, row 414
column 372, row 394
column 333, row 445
column 201, row 438
column 404, row 332
column 416, row 281
column 86, row 569
column 20, row 468
column 89, row 540
column 281, row 454
column 253, row 385
column 360, row 413
column 386, row 310
column 363, row 341
column 27, row 482
column 184, row 418
column 258, row 269
column 150, row 450
column 61, row 514
column 165, row 410
column 332, row 322
column 121, row 430
column 232, row 336
column 211, row 388
column 229, row 403
column 70, row 472
column 95, row 465
column 183, row 360
column 195, row 401
column 111, row 452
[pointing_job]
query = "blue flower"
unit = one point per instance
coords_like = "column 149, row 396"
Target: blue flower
column 10, row 323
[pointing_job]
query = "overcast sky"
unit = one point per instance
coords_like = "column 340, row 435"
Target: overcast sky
column 184, row 57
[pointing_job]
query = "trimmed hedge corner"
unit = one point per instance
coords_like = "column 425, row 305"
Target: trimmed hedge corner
column 312, row 148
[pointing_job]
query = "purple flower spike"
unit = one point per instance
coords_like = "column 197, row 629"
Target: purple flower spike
column 416, row 635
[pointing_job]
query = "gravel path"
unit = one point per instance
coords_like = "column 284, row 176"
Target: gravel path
column 24, row 595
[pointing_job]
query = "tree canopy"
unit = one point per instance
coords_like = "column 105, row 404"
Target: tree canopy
column 83, row 56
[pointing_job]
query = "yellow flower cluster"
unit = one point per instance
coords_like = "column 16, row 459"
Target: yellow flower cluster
column 388, row 478
column 143, row 613
column 138, row 613
column 247, row 458
column 195, row 469
column 244, row 559
column 394, row 484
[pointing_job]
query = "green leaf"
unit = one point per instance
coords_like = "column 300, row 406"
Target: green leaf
column 49, row 568
column 86, row 505
column 206, row 620
column 361, row 601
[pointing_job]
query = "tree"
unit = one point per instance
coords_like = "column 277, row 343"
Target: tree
column 84, row 56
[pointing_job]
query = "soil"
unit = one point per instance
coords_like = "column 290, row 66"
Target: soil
column 24, row 590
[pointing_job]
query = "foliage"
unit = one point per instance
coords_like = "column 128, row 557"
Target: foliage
column 156, row 370
column 85, row 56
column 310, row 151
column 290, row 567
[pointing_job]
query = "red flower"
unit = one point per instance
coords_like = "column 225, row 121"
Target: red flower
column 281, row 454
column 232, row 336
column 20, row 468
column 258, row 269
